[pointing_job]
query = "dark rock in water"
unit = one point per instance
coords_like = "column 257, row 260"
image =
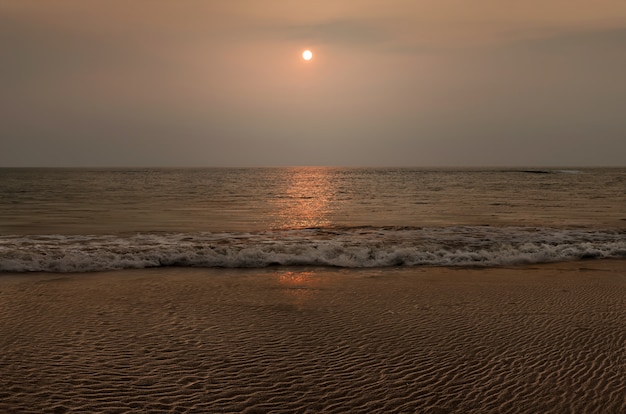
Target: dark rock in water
column 537, row 172
column 590, row 256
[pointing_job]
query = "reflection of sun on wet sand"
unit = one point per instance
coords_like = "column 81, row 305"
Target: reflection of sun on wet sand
column 300, row 287
column 503, row 340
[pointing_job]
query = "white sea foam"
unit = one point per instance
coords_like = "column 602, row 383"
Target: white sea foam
column 342, row 247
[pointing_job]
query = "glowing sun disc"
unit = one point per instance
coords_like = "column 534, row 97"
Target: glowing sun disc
column 307, row 55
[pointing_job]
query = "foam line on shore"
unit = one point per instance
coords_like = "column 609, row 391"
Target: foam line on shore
column 351, row 247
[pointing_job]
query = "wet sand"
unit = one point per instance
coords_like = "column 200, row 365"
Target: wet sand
column 547, row 338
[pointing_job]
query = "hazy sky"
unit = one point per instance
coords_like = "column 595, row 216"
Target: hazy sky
column 392, row 82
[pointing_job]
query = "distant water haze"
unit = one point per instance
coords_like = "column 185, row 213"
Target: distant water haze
column 391, row 83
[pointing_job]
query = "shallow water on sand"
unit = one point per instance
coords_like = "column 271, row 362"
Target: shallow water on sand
column 546, row 339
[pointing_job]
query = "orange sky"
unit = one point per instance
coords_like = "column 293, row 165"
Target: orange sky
column 396, row 82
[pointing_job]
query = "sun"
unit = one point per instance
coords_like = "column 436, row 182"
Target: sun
column 307, row 55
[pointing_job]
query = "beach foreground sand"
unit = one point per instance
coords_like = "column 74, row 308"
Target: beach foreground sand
column 546, row 338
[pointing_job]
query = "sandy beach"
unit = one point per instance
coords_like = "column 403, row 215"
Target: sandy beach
column 544, row 338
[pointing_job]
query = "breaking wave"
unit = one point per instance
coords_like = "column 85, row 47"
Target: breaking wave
column 340, row 247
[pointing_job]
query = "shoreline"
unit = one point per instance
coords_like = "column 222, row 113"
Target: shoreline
column 535, row 338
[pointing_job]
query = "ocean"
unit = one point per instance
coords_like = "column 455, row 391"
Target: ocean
column 85, row 220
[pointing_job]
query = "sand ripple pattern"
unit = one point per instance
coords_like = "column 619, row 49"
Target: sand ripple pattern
column 316, row 340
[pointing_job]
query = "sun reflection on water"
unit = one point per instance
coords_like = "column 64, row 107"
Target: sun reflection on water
column 306, row 199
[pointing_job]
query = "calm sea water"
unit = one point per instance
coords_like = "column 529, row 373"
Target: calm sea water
column 89, row 220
